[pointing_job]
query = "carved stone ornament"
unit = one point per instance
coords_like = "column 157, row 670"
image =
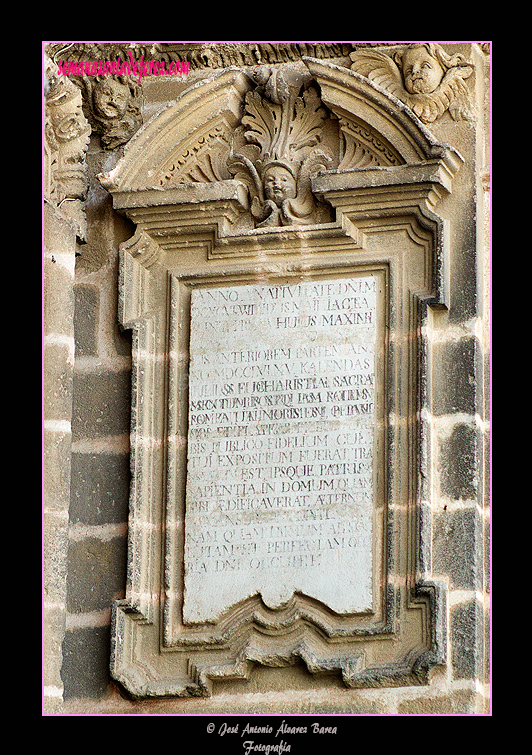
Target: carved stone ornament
column 423, row 76
column 113, row 107
column 280, row 446
column 280, row 152
column 111, row 103
column 66, row 138
column 208, row 55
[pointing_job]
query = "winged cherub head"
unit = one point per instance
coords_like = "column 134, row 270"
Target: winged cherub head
column 423, row 76
column 422, row 70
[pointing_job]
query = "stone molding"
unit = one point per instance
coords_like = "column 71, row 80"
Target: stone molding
column 210, row 55
column 232, row 136
column 113, row 104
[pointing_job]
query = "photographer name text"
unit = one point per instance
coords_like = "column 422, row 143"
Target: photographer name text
column 251, row 746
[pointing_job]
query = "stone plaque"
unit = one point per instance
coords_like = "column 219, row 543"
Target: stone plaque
column 281, row 436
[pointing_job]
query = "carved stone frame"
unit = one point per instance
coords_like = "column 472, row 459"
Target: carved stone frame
column 384, row 223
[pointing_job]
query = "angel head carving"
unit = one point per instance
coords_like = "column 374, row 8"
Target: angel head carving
column 423, row 76
column 279, row 182
column 283, row 196
column 421, row 69
column 110, row 98
column 113, row 108
column 275, row 152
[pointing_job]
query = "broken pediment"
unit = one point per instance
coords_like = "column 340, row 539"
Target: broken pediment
column 169, row 144
column 260, row 138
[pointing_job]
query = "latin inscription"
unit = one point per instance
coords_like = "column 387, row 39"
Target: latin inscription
column 280, row 445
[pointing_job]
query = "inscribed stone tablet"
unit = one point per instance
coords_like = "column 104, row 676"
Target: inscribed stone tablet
column 280, row 445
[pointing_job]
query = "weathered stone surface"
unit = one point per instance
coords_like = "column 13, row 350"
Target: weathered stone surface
column 103, row 404
column 460, row 528
column 86, row 320
column 467, row 656
column 459, row 479
column 280, row 452
column 96, row 574
column 455, row 368
column 100, row 489
column 85, row 671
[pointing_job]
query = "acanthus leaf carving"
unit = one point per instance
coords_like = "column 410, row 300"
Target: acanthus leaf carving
column 278, row 149
column 423, row 76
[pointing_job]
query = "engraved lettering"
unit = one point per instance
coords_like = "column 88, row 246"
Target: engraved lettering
column 280, row 448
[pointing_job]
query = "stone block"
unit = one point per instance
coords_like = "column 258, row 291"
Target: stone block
column 467, row 628
column 56, row 470
column 86, row 320
column 454, row 377
column 456, row 539
column 55, row 529
column 96, row 573
column 58, row 297
column 85, row 670
column 54, row 617
column 57, row 380
column 458, row 463
column 100, row 488
column 461, row 702
column 101, row 404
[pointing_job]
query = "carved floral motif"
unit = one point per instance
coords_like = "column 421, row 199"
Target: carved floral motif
column 423, row 76
column 275, row 152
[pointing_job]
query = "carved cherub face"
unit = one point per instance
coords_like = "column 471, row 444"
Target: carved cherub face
column 279, row 184
column 110, row 98
column 422, row 73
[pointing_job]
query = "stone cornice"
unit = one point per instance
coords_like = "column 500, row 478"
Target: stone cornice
column 207, row 54
column 219, row 54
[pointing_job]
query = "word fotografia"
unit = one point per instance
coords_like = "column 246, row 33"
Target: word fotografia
column 250, row 746
column 118, row 67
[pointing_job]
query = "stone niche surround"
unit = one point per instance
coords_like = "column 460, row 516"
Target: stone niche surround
column 288, row 249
